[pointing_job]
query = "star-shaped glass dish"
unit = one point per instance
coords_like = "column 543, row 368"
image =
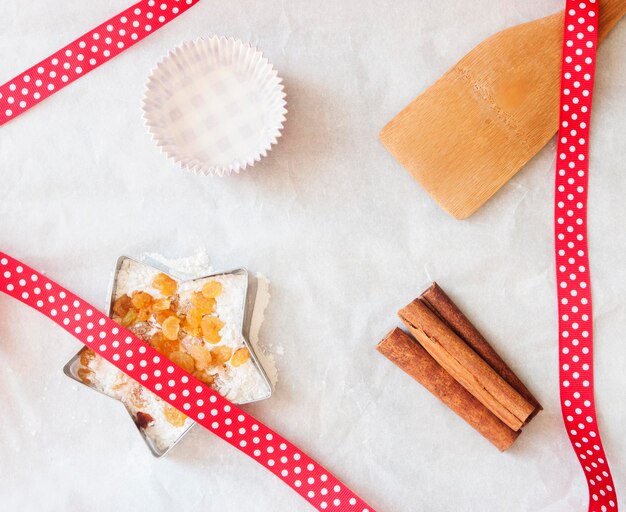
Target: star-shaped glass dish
column 206, row 336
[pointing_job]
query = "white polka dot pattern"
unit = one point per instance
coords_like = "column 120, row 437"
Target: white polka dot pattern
column 207, row 407
column 572, row 260
column 86, row 53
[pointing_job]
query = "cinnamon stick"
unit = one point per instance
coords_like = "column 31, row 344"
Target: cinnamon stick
column 466, row 366
column 410, row 357
column 439, row 302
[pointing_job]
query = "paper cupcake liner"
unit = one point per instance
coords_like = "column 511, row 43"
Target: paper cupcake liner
column 215, row 106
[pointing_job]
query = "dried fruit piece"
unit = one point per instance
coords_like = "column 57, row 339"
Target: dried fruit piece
column 174, row 416
column 194, row 317
column 141, row 300
column 161, row 316
column 86, row 356
column 165, row 284
column 203, row 376
column 85, row 374
column 185, row 361
column 242, row 356
column 212, row 289
column 211, row 327
column 201, row 355
column 192, row 322
column 163, row 345
column 174, row 302
column 129, row 318
column 171, row 327
column 161, row 305
column 122, row 305
column 221, row 355
column 144, row 315
column 202, row 303
column 196, row 332
column 212, row 337
column 143, row 420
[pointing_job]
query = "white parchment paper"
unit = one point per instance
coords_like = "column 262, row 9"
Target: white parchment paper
column 345, row 235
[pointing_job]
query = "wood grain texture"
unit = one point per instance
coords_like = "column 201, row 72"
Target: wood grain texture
column 410, row 357
column 467, row 367
column 477, row 126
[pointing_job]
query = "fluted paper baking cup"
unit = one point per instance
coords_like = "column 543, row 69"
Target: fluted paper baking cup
column 215, row 106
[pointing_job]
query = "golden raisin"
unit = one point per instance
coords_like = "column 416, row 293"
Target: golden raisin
column 86, row 356
column 171, row 326
column 204, row 377
column 196, row 332
column 212, row 337
column 141, row 300
column 242, row 356
column 161, row 304
column 192, row 322
column 212, row 289
column 161, row 316
column 156, row 339
column 165, row 284
column 174, row 416
column 121, row 305
column 129, row 318
column 211, row 327
column 220, row 355
column 185, row 361
column 202, row 303
column 201, row 355
column 163, row 345
column 85, row 374
column 194, row 317
column 144, row 315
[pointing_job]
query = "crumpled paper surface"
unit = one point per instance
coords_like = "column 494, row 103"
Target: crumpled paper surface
column 345, row 235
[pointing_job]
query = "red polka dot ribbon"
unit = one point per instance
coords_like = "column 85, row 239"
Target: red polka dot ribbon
column 572, row 259
column 86, row 53
column 181, row 390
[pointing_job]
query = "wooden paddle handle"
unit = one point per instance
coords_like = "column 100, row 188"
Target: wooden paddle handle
column 611, row 11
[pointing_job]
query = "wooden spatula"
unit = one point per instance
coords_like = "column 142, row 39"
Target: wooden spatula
column 470, row 132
